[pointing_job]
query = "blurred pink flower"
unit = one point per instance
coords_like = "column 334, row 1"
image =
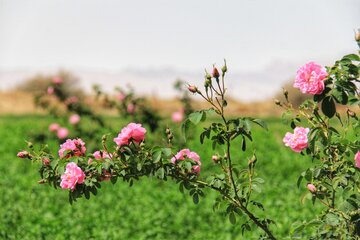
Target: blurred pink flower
column 357, row 159
column 297, row 141
column 71, row 100
column 121, row 96
column 133, row 131
column 74, row 119
column 310, row 78
column 75, row 147
column 214, row 158
column 178, row 116
column 131, row 108
column 73, row 175
column 54, row 127
column 62, row 133
column 99, row 155
column 90, row 160
column 57, row 80
column 50, row 90
column 187, row 154
column 311, row 187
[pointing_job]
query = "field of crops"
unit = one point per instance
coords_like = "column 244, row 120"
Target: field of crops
column 150, row 209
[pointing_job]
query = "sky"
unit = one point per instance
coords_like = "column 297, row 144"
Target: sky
column 174, row 38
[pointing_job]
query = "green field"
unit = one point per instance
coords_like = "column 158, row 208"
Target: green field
column 150, row 209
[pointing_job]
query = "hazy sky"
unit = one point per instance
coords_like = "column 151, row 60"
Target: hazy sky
column 113, row 35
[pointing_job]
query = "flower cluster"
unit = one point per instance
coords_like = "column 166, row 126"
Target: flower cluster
column 185, row 154
column 72, row 147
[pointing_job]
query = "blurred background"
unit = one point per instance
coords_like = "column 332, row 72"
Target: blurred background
column 140, row 55
column 151, row 44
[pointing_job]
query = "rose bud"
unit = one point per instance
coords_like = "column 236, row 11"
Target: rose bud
column 215, row 73
column 23, row 154
column 215, row 158
column 311, row 187
column 46, row 161
column 192, row 89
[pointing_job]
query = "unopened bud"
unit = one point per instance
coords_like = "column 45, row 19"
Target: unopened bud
column 277, row 102
column 357, row 35
column 167, row 131
column 215, row 158
column 224, row 69
column 46, row 161
column 207, row 83
column 311, row 187
column 215, row 73
column 207, row 76
column 23, row 154
column 192, row 89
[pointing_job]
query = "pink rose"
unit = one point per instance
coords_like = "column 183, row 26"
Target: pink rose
column 57, row 80
column 73, row 175
column 133, row 131
column 357, row 159
column 100, row 154
column 311, row 187
column 62, row 133
column 310, row 78
column 74, row 119
column 177, row 116
column 54, row 127
column 187, row 154
column 192, row 89
column 297, row 141
column 131, row 108
column 75, row 147
column 50, row 90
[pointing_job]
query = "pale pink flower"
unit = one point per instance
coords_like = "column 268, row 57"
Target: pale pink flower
column 50, row 90
column 62, row 133
column 178, row 116
column 215, row 158
column 54, row 127
column 90, row 160
column 311, row 187
column 297, row 141
column 101, row 154
column 187, row 154
column 133, row 131
column 121, row 96
column 310, row 78
column 357, row 159
column 74, row 119
column 74, row 147
column 73, row 175
column 131, row 108
column 57, row 80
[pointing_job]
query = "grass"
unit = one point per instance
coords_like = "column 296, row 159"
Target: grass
column 150, row 209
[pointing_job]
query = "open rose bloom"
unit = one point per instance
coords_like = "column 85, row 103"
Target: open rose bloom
column 74, row 147
column 187, row 154
column 297, row 141
column 310, row 78
column 100, row 155
column 73, row 175
column 357, row 159
column 133, row 131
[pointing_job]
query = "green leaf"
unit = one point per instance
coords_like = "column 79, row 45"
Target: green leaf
column 196, row 198
column 261, row 123
column 352, row 57
column 232, row 218
column 328, row 106
column 156, row 156
column 196, row 117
